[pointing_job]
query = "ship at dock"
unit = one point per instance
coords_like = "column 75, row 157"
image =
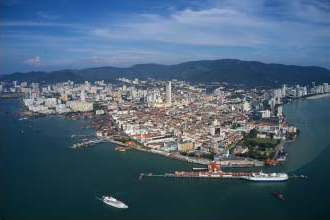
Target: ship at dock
column 213, row 171
column 266, row 177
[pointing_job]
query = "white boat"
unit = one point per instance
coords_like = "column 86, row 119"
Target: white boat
column 113, row 202
column 264, row 177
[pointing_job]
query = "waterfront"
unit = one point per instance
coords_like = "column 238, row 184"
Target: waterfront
column 41, row 174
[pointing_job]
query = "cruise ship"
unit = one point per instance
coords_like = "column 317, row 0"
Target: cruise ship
column 263, row 177
column 113, row 202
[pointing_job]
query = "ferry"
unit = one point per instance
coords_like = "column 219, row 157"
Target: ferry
column 265, row 177
column 113, row 202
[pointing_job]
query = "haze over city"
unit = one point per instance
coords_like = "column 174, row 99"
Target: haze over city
column 52, row 35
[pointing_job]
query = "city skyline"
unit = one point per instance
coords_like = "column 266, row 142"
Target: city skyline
column 55, row 35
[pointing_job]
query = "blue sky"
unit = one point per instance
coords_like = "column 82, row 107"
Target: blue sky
column 51, row 35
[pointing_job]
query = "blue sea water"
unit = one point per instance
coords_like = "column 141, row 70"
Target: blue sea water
column 42, row 178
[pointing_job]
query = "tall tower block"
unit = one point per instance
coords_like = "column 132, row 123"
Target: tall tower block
column 169, row 93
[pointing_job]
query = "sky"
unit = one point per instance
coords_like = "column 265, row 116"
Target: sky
column 51, row 35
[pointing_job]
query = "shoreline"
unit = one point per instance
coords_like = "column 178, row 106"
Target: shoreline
column 245, row 162
column 230, row 163
column 318, row 96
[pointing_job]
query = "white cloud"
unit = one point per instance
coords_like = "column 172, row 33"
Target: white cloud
column 35, row 61
column 228, row 23
column 275, row 31
column 207, row 27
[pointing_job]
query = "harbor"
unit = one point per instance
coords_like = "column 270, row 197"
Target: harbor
column 213, row 171
column 98, row 162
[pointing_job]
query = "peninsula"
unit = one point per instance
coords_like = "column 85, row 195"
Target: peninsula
column 197, row 123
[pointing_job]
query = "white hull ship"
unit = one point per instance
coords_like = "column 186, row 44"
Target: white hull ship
column 113, row 202
column 267, row 177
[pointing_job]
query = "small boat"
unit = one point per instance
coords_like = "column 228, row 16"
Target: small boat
column 22, row 132
column 199, row 168
column 113, row 202
column 278, row 195
column 121, row 149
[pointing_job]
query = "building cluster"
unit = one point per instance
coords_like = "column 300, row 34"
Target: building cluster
column 173, row 116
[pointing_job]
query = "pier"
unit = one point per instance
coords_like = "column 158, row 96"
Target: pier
column 87, row 143
column 151, row 174
column 188, row 175
column 115, row 142
column 213, row 172
column 206, row 175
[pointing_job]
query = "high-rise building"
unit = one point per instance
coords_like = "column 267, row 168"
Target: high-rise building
column 284, row 91
column 298, row 91
column 82, row 96
column 305, row 91
column 124, row 87
column 272, row 103
column 168, row 93
column 279, row 111
column 246, row 106
column 326, row 87
column 265, row 114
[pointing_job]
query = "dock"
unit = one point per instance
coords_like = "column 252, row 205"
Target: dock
column 116, row 142
column 87, row 143
column 206, row 175
column 123, row 148
column 151, row 174
column 213, row 172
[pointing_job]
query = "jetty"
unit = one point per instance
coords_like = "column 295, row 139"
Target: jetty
column 87, row 143
column 213, row 171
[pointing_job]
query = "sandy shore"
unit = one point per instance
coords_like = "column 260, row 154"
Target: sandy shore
column 319, row 96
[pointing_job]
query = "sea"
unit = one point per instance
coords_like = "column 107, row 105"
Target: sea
column 41, row 177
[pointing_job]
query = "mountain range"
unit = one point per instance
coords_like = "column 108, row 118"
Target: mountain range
column 248, row 73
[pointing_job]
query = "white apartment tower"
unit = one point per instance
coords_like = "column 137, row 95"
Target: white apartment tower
column 284, row 90
column 82, row 96
column 168, row 93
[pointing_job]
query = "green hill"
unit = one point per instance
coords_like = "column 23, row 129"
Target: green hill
column 249, row 73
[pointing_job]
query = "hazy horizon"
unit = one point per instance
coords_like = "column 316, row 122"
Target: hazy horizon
column 131, row 65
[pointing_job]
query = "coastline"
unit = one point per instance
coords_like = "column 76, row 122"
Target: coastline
column 230, row 163
column 318, row 96
column 236, row 162
column 102, row 170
